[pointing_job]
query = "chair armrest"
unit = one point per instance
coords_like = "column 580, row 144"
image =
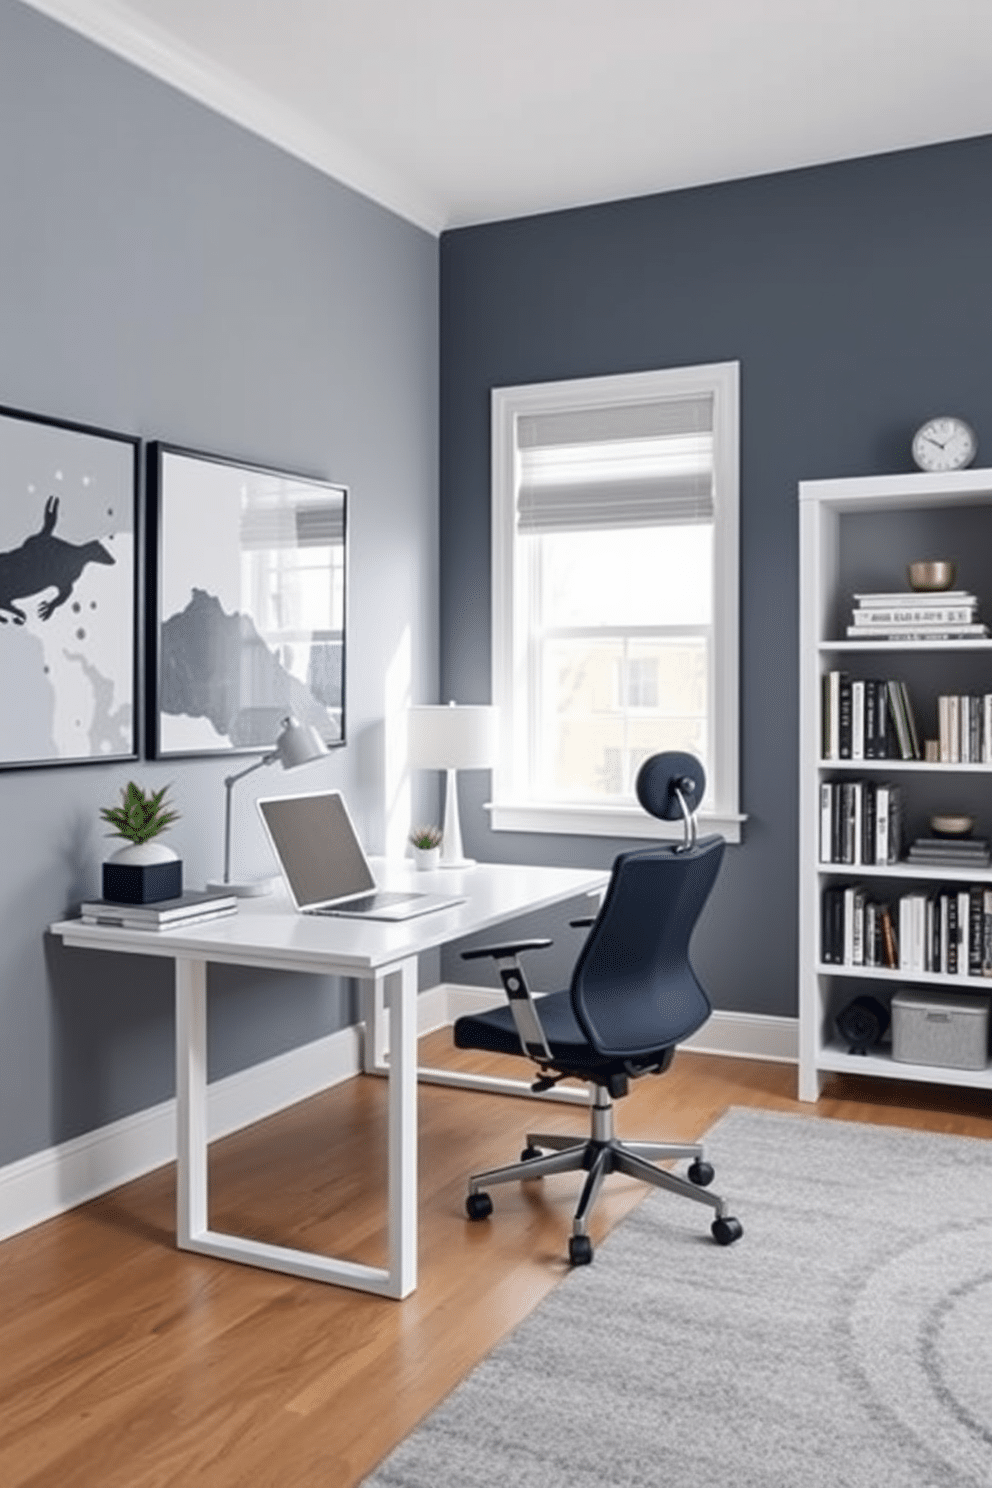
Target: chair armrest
column 505, row 950
column 525, row 1017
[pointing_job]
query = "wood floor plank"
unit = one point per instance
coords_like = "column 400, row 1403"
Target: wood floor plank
column 125, row 1363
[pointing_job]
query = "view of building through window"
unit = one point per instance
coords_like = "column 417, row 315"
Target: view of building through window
column 621, row 642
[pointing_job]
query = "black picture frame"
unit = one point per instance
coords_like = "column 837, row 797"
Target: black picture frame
column 247, row 604
column 69, row 592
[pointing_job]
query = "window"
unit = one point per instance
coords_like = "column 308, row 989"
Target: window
column 614, row 595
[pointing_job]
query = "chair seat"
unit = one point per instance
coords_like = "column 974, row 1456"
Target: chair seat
column 495, row 1032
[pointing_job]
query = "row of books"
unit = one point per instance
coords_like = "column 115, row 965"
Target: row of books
column 867, row 719
column 190, row 908
column 860, row 822
column 948, row 931
column 911, row 616
column 964, row 729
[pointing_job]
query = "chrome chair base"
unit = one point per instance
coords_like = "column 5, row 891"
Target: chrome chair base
column 548, row 1153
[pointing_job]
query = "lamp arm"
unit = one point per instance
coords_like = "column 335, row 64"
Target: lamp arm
column 229, row 783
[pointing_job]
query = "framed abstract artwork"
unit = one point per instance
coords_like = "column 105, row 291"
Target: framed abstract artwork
column 247, row 584
column 68, row 592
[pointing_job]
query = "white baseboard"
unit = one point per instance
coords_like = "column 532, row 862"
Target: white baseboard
column 49, row 1182
column 55, row 1180
column 737, row 1035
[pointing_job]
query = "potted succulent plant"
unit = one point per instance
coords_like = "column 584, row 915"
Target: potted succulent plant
column 143, row 871
column 426, row 844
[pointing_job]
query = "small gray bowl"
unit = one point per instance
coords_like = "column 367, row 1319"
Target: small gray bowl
column 931, row 575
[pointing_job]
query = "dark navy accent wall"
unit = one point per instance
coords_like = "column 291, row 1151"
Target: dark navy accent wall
column 856, row 298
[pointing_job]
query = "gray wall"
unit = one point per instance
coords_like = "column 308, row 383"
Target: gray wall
column 856, row 298
column 169, row 275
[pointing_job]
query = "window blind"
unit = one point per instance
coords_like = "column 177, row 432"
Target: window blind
column 644, row 464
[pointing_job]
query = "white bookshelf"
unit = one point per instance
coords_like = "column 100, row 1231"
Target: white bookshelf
column 858, row 536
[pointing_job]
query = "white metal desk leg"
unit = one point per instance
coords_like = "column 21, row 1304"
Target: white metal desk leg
column 401, row 999
column 374, row 1042
column 191, row 1100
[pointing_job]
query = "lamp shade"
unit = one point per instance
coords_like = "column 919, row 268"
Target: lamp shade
column 298, row 744
column 452, row 737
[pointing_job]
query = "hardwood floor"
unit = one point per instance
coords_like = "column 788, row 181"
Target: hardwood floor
column 125, row 1364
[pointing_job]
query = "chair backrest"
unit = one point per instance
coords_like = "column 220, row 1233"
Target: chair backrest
column 633, row 989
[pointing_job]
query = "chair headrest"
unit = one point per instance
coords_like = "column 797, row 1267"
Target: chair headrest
column 660, row 776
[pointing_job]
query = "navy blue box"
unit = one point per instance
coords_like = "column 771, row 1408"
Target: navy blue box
column 130, row 883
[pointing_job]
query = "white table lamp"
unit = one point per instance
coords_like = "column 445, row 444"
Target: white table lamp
column 297, row 744
column 452, row 738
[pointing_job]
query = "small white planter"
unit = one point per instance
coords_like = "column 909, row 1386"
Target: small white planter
column 426, row 858
column 143, row 854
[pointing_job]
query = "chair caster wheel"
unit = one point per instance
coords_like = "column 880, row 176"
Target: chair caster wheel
column 529, row 1153
column 700, row 1173
column 726, row 1231
column 479, row 1206
column 579, row 1250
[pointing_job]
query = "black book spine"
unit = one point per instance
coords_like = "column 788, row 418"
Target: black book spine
column 868, row 823
column 871, row 719
column 836, row 825
column 845, row 718
column 975, row 930
column 953, row 930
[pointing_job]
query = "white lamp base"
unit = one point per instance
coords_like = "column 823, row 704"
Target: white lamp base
column 250, row 889
column 456, row 863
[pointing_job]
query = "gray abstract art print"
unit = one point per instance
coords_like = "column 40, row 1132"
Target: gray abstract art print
column 249, row 604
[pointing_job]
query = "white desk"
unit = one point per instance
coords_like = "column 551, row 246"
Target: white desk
column 268, row 933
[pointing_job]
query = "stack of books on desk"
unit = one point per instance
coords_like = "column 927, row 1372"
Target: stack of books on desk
column 166, row 914
column 950, row 852
column 947, row 615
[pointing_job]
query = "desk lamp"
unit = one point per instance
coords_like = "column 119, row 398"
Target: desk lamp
column 452, row 738
column 297, row 744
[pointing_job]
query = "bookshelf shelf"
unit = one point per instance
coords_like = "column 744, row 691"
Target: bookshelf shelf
column 921, row 873
column 857, row 538
column 881, row 1065
column 919, row 767
column 898, row 646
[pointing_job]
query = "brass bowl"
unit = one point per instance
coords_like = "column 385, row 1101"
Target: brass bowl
column 932, row 575
column 951, row 826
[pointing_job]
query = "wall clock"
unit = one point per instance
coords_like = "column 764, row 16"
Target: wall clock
column 944, row 443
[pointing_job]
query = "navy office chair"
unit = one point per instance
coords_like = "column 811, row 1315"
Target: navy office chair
column 633, row 998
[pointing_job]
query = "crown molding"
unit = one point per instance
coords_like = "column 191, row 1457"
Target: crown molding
column 114, row 27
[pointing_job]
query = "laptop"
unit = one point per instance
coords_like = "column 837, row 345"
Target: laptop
column 325, row 866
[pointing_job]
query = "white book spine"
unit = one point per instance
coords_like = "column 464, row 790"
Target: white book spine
column 964, row 907
column 857, row 720
column 904, row 933
column 882, row 824
column 826, row 823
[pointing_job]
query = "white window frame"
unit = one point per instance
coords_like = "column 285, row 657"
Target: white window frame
column 510, row 812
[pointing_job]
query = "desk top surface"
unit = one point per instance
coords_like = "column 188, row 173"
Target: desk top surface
column 270, row 932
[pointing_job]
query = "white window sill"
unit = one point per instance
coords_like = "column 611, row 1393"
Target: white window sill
column 604, row 821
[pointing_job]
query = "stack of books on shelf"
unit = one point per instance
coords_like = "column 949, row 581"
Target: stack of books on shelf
column 948, row 615
column 964, row 729
column 865, row 719
column 950, row 852
column 860, row 822
column 191, row 908
column 946, row 931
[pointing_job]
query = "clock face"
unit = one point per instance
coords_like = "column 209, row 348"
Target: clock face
column 944, row 444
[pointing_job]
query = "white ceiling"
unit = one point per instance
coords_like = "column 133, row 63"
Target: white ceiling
column 459, row 111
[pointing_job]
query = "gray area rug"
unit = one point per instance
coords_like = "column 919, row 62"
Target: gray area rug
column 844, row 1341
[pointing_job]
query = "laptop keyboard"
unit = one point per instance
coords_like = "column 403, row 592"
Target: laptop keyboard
column 383, row 900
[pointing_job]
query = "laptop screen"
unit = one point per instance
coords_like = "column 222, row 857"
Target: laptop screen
column 317, row 847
